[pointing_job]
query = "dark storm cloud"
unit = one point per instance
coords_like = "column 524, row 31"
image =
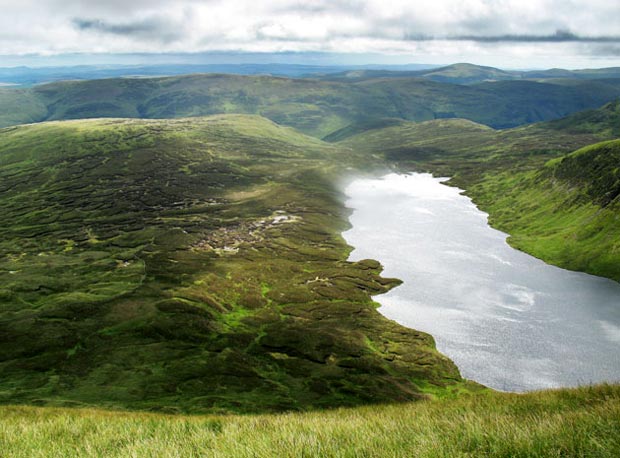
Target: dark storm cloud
column 152, row 28
column 350, row 7
column 560, row 36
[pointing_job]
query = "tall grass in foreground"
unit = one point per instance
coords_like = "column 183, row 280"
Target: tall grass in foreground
column 582, row 422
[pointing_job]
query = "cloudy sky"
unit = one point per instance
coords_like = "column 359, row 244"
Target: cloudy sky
column 504, row 33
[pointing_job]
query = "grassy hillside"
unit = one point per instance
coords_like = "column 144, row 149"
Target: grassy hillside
column 20, row 106
column 318, row 108
column 605, row 122
column 191, row 265
column 565, row 212
column 460, row 148
column 580, row 422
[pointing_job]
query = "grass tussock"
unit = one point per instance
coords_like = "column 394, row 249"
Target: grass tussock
column 571, row 422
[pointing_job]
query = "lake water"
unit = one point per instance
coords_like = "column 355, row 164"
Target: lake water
column 507, row 319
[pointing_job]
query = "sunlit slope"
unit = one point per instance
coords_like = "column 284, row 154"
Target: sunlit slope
column 464, row 73
column 603, row 122
column 315, row 107
column 193, row 264
column 577, row 422
column 565, row 212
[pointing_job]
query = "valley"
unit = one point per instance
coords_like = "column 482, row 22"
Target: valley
column 174, row 245
column 348, row 229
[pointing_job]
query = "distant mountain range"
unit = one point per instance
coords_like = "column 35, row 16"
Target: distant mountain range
column 472, row 74
column 28, row 76
column 461, row 73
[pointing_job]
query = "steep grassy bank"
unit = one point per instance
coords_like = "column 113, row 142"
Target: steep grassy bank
column 191, row 265
column 580, row 422
column 567, row 212
column 557, row 205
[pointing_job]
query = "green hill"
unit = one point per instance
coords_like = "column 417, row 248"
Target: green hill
column 456, row 74
column 604, row 121
column 317, row 108
column 193, row 265
column 454, row 146
column 468, row 73
column 464, row 73
column 594, row 170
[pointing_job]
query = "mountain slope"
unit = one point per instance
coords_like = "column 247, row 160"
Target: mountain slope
column 20, row 106
column 604, row 121
column 567, row 213
column 192, row 264
column 317, row 108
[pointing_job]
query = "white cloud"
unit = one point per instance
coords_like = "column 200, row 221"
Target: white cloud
column 421, row 30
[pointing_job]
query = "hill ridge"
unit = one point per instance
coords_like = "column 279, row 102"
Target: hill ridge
column 315, row 107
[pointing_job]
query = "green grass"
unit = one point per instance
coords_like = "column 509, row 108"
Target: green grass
column 20, row 106
column 568, row 213
column 580, row 422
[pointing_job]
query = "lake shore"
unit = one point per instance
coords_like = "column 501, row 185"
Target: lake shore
column 508, row 320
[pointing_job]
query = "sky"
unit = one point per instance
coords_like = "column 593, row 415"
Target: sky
column 501, row 33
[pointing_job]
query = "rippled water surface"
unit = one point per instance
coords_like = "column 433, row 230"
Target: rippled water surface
column 507, row 319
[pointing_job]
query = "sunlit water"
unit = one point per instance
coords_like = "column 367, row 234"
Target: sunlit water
column 507, row 319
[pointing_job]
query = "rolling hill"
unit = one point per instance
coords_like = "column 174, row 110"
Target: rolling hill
column 317, row 108
column 197, row 263
column 567, row 212
column 464, row 73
